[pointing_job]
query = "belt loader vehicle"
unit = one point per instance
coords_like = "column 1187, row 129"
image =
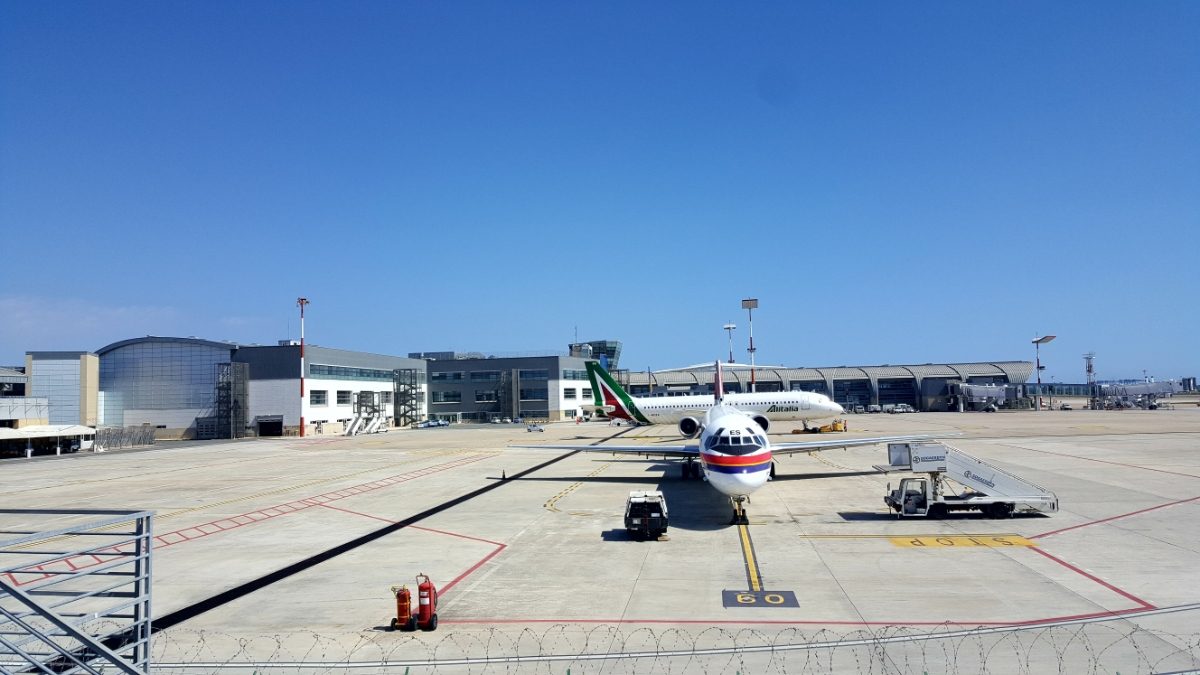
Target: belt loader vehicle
column 992, row 490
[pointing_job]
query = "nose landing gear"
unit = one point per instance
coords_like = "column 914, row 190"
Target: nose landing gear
column 739, row 511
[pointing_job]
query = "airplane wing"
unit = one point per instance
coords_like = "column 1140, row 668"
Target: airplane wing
column 817, row 446
column 648, row 450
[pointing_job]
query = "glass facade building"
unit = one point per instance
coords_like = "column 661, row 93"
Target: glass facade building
column 68, row 381
column 165, row 382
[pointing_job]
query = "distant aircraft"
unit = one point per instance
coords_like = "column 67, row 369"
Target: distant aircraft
column 688, row 411
column 733, row 453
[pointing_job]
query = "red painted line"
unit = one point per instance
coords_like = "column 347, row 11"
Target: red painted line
column 215, row 527
column 460, row 536
column 804, row 622
column 1105, row 520
column 356, row 513
column 444, row 589
column 1107, row 461
column 464, row 575
column 1129, row 596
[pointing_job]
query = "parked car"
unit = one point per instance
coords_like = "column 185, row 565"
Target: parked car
column 425, row 424
column 1064, row 406
column 874, row 408
column 858, row 409
column 534, row 427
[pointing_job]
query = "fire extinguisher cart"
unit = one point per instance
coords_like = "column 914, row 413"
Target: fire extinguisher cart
column 425, row 616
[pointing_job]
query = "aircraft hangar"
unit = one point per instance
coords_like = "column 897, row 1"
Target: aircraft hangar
column 927, row 386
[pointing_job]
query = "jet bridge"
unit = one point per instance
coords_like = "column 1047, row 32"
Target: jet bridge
column 988, row 488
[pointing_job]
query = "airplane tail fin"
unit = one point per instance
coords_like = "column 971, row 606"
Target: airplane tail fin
column 718, row 385
column 610, row 397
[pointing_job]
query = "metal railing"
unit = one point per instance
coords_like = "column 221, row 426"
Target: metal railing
column 75, row 590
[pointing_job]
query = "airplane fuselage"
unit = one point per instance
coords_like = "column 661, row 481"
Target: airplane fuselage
column 735, row 452
column 784, row 405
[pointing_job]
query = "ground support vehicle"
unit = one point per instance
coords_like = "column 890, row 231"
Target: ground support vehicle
column 646, row 514
column 836, row 425
column 989, row 489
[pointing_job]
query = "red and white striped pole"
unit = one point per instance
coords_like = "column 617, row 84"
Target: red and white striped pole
column 301, row 302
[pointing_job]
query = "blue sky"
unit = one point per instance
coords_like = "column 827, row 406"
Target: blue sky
column 895, row 182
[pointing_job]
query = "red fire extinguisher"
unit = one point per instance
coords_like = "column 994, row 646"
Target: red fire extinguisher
column 426, row 603
column 404, row 619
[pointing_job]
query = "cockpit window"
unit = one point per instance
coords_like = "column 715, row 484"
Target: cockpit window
column 735, row 442
column 714, row 440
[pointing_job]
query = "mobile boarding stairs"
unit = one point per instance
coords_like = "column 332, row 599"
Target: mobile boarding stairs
column 987, row 488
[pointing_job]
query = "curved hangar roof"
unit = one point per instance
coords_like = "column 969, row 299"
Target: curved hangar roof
column 153, row 338
column 1014, row 371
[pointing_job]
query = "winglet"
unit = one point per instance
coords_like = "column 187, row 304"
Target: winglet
column 718, row 385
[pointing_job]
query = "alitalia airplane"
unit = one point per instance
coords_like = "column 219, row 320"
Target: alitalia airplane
column 733, row 453
column 688, row 411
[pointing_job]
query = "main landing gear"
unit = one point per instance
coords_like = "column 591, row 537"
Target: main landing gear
column 739, row 510
column 690, row 469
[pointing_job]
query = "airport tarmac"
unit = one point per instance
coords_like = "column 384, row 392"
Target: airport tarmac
column 537, row 562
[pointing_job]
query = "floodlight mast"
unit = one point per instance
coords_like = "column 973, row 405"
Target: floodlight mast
column 301, row 302
column 729, row 329
column 1037, row 348
column 750, row 304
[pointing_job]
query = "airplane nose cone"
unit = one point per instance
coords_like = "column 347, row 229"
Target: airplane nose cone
column 836, row 408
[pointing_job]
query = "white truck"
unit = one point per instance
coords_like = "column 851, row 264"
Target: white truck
column 646, row 514
column 992, row 490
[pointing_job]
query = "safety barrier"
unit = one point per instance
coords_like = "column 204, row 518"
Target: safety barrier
column 75, row 591
column 1066, row 647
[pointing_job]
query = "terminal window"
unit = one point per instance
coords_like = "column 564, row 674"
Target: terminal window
column 343, row 397
column 569, row 392
column 318, row 397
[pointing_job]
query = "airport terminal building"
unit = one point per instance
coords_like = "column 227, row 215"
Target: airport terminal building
column 927, row 386
column 485, row 389
column 196, row 388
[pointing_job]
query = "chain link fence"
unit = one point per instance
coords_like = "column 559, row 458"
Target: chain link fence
column 111, row 438
column 1113, row 646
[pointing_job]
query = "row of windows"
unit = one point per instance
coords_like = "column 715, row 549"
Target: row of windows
column 534, row 394
column 570, row 392
column 494, row 375
column 344, row 397
column 446, row 397
column 345, row 373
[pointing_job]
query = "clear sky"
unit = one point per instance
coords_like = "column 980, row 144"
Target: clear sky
column 895, row 182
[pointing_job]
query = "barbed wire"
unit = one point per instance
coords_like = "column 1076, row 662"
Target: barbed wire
column 1068, row 647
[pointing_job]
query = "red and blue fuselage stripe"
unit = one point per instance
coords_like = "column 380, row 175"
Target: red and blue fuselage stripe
column 736, row 463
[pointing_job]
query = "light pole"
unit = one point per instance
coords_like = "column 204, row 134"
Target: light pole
column 1037, row 348
column 301, row 303
column 750, row 304
column 729, row 329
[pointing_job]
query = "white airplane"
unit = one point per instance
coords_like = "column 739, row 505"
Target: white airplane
column 734, row 454
column 688, row 411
